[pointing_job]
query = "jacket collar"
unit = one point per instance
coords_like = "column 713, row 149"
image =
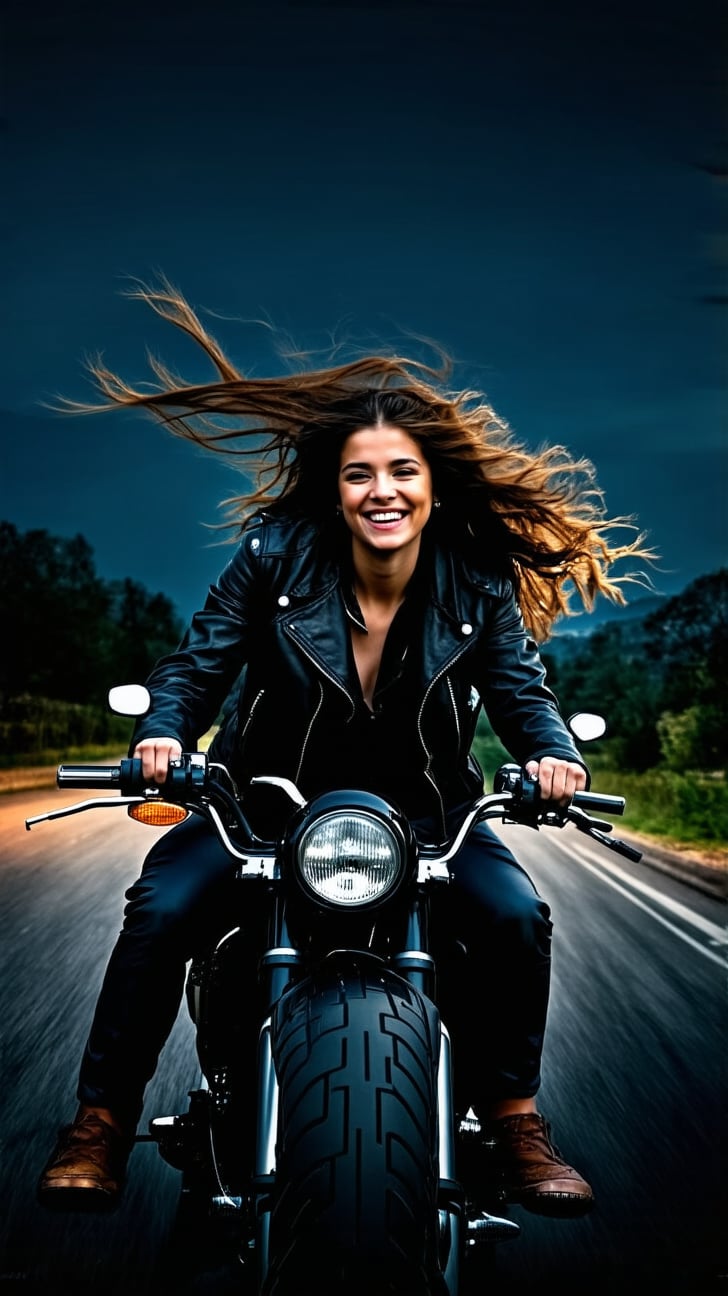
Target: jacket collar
column 322, row 601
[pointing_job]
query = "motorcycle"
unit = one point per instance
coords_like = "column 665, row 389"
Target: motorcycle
column 326, row 1132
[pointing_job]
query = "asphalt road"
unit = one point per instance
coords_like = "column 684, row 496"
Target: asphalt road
column 634, row 1070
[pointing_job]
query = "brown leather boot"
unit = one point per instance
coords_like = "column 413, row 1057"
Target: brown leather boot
column 87, row 1168
column 530, row 1170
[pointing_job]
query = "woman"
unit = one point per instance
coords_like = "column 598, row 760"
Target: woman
column 399, row 557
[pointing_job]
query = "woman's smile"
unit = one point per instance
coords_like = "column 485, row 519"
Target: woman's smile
column 390, row 518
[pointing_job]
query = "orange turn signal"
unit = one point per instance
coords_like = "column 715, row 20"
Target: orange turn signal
column 158, row 814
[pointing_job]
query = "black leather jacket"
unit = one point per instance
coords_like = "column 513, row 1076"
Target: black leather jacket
column 272, row 646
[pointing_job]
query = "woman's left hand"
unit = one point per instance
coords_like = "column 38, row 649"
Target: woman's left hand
column 558, row 779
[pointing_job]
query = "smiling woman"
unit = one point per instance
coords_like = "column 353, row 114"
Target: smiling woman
column 385, row 488
column 396, row 559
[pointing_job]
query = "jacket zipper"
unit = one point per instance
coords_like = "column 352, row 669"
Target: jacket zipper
column 299, row 767
column 428, row 770
column 454, row 709
column 333, row 680
column 249, row 719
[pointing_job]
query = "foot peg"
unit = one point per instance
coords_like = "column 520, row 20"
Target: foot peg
column 485, row 1228
column 482, row 1226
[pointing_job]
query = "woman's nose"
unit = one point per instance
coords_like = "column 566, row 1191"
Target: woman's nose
column 383, row 487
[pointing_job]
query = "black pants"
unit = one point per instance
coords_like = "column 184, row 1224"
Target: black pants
column 491, row 938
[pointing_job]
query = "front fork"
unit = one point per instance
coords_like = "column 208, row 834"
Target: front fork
column 276, row 965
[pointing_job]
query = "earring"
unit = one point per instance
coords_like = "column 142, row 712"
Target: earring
column 435, row 503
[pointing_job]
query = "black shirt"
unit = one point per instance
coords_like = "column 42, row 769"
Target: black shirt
column 378, row 749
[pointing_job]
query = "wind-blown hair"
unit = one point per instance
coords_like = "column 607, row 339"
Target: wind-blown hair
column 540, row 513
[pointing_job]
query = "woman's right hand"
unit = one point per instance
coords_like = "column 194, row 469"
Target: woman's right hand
column 155, row 755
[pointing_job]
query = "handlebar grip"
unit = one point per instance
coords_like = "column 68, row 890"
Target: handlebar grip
column 98, row 776
column 88, row 776
column 599, row 801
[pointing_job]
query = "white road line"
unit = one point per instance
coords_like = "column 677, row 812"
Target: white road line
column 666, row 902
column 602, row 870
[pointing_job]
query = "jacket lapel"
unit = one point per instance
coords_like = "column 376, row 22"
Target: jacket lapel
column 320, row 630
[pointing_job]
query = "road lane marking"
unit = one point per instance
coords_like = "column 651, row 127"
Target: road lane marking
column 715, row 933
column 666, row 902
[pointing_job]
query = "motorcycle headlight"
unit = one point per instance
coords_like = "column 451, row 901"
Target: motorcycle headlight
column 349, row 858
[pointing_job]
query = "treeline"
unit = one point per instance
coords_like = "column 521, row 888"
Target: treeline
column 659, row 681
column 67, row 636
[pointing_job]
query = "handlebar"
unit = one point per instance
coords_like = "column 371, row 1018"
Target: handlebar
column 511, row 778
column 599, row 801
column 190, row 782
column 127, row 777
column 185, row 776
column 94, row 776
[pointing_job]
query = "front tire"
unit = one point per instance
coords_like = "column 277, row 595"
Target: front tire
column 355, row 1204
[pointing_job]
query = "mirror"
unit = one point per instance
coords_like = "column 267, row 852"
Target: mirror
column 586, row 726
column 129, row 699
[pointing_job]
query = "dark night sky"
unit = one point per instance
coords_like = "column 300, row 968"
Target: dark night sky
column 540, row 187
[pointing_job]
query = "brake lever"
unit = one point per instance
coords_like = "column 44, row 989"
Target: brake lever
column 586, row 822
column 598, row 829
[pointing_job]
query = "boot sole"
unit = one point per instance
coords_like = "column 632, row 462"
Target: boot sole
column 554, row 1205
column 87, row 1201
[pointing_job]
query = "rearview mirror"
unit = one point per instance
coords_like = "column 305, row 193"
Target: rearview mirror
column 129, row 699
column 587, row 726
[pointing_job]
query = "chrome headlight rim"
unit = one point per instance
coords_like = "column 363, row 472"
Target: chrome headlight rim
column 333, row 808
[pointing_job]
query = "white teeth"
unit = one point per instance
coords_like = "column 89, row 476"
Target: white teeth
column 385, row 517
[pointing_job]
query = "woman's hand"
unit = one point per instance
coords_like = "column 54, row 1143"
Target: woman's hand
column 155, row 755
column 558, row 780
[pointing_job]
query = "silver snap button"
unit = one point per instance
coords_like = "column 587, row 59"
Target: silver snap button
column 255, row 544
column 466, row 628
column 283, row 600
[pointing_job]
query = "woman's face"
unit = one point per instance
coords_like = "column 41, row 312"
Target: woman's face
column 385, row 488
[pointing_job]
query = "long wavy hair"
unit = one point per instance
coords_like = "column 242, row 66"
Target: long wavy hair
column 541, row 513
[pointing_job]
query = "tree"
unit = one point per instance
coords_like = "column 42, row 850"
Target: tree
column 605, row 672
column 687, row 641
column 146, row 627
column 55, row 608
column 69, row 634
column 659, row 681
